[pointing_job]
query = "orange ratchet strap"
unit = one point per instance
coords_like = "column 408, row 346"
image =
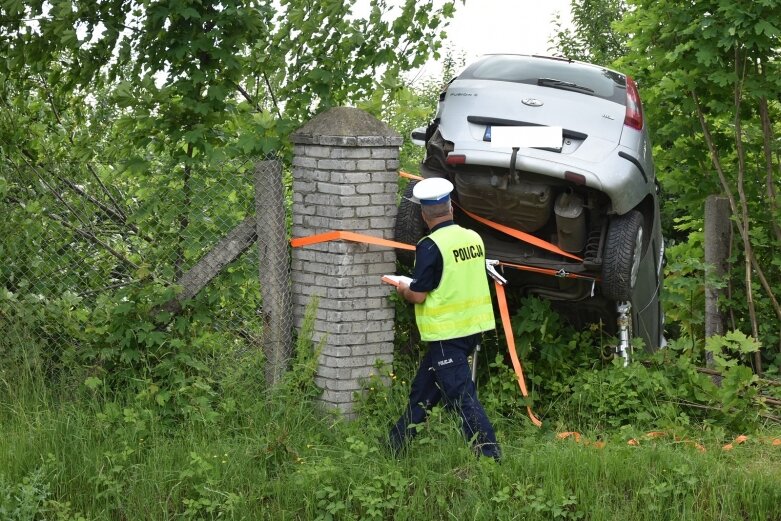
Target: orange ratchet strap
column 547, row 271
column 512, row 232
column 410, row 176
column 518, row 234
column 348, row 236
column 504, row 312
column 500, row 295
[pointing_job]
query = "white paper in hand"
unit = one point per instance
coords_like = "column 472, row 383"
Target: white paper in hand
column 394, row 280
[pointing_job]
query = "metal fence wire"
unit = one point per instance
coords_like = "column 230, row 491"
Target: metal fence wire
column 80, row 239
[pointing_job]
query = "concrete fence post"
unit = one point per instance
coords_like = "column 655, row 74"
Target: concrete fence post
column 345, row 178
column 273, row 262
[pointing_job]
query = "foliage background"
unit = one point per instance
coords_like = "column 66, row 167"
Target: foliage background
column 127, row 137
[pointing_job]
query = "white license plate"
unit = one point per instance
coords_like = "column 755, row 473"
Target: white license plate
column 524, row 137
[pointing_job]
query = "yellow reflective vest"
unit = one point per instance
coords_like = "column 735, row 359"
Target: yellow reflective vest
column 461, row 304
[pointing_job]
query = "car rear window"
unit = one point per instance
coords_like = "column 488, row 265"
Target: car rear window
column 604, row 83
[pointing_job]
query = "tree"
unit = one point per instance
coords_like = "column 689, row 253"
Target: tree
column 593, row 37
column 141, row 100
column 194, row 83
column 126, row 128
column 711, row 80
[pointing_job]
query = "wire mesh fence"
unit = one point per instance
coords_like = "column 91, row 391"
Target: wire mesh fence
column 81, row 244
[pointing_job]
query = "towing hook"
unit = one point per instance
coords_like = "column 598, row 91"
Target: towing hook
column 490, row 266
column 513, row 173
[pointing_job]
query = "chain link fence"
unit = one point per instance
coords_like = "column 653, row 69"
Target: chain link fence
column 81, row 244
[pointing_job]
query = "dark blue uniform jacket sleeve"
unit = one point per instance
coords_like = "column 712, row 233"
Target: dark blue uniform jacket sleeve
column 428, row 264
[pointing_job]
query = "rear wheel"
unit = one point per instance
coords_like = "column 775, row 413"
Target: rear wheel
column 410, row 227
column 621, row 259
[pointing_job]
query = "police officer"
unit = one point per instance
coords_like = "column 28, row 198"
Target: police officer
column 452, row 308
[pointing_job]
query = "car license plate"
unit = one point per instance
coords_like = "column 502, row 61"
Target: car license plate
column 549, row 138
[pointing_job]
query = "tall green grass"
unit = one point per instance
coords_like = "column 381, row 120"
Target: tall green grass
column 71, row 452
column 69, row 456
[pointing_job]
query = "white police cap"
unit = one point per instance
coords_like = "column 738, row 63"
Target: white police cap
column 434, row 190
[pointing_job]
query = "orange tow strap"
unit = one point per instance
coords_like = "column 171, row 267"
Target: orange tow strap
column 500, row 295
column 512, row 232
column 521, row 236
column 547, row 271
column 348, row 236
column 410, row 176
column 508, row 333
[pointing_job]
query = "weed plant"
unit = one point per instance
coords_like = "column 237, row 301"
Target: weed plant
column 84, row 451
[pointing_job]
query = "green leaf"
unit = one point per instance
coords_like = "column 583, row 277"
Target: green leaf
column 68, row 37
column 190, row 13
column 162, row 397
column 247, row 142
column 265, row 119
column 763, row 26
column 93, row 382
column 706, row 56
column 143, row 272
column 741, row 342
column 14, row 8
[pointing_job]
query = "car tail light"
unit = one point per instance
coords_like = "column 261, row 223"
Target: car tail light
column 634, row 109
column 455, row 159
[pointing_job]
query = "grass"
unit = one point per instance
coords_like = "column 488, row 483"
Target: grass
column 72, row 456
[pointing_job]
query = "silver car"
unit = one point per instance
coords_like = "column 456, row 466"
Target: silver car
column 589, row 192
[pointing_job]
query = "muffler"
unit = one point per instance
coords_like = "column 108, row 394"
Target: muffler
column 570, row 222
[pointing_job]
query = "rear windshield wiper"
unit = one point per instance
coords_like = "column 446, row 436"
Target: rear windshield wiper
column 564, row 85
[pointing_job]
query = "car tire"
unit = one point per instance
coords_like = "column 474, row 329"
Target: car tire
column 621, row 259
column 410, row 227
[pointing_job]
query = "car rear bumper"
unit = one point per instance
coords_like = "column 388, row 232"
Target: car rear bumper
column 620, row 176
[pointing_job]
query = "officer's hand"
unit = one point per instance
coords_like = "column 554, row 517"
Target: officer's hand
column 416, row 297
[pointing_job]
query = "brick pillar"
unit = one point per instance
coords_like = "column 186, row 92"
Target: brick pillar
column 344, row 178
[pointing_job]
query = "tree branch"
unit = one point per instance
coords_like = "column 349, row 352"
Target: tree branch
column 273, row 97
column 91, row 237
column 246, row 95
column 767, row 140
column 110, row 212
column 83, row 233
column 747, row 247
column 117, row 207
column 52, row 189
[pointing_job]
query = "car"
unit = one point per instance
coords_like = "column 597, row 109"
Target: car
column 585, row 201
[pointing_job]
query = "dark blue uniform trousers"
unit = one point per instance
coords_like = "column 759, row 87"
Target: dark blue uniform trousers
column 444, row 373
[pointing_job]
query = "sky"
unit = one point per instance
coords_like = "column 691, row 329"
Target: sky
column 493, row 26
